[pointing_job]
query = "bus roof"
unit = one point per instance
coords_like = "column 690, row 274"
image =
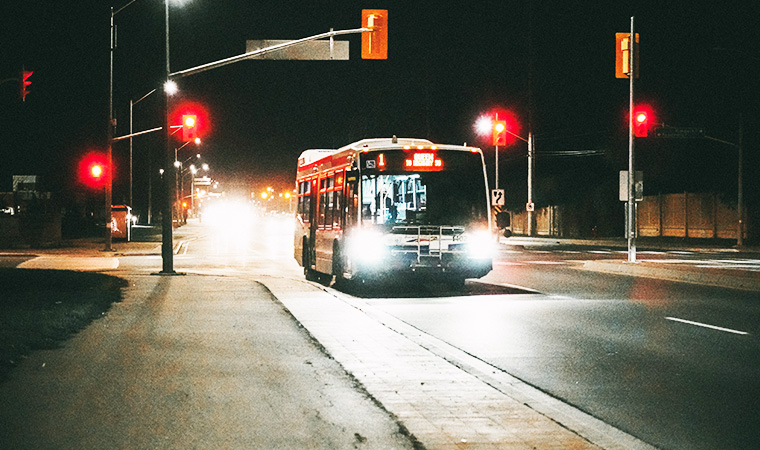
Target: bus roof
column 309, row 156
column 313, row 156
column 384, row 142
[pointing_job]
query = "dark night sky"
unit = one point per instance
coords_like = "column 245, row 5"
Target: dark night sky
column 448, row 63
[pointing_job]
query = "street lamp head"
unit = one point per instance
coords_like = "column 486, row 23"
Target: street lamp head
column 484, row 126
column 170, row 87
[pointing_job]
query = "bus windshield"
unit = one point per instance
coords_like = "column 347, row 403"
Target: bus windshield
column 424, row 198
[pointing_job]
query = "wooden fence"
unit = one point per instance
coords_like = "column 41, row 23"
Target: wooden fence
column 671, row 215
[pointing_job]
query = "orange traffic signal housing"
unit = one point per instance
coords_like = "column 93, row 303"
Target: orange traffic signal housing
column 375, row 42
column 623, row 55
column 189, row 127
column 640, row 124
column 499, row 132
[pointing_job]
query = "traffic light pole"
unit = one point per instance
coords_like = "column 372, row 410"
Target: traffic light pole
column 109, row 151
column 631, row 206
column 531, row 172
column 167, row 254
column 167, row 217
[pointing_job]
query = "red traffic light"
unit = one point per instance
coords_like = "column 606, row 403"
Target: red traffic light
column 499, row 132
column 96, row 170
column 640, row 123
column 375, row 42
column 189, row 127
column 93, row 170
column 25, row 74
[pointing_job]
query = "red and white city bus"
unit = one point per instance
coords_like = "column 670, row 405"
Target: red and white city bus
column 388, row 207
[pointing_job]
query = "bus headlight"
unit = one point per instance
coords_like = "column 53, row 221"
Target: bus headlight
column 480, row 244
column 367, row 247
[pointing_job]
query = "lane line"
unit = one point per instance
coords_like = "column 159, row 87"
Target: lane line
column 713, row 327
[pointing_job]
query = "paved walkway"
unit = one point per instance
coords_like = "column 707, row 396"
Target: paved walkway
column 191, row 362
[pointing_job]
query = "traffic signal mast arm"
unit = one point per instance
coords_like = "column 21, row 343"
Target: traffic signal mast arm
column 516, row 135
column 138, row 133
column 262, row 51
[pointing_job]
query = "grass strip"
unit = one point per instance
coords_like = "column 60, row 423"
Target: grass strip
column 40, row 309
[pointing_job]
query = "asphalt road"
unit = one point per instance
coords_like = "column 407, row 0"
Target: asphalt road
column 633, row 352
column 626, row 350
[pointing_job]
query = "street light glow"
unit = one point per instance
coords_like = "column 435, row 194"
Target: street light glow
column 483, row 126
column 170, row 87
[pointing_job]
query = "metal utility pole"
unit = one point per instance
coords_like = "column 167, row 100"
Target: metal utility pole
column 496, row 160
column 531, row 171
column 167, row 243
column 631, row 216
column 740, row 189
column 109, row 150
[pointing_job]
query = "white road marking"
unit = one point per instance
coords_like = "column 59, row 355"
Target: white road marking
column 712, row 327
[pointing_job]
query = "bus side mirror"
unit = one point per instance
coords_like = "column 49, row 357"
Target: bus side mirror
column 502, row 220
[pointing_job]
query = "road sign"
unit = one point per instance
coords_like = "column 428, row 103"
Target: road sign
column 497, row 197
column 638, row 186
column 203, row 181
column 679, row 133
column 311, row 50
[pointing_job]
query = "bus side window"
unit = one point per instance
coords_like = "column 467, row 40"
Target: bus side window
column 326, row 203
column 322, row 202
column 304, row 200
column 351, row 204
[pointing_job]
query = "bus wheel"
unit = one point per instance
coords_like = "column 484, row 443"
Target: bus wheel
column 309, row 273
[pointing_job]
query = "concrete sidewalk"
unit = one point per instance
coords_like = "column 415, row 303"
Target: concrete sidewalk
column 642, row 243
column 193, row 361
